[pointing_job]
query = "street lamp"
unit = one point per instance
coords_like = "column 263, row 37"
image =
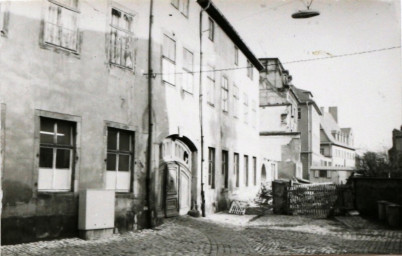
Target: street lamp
column 304, row 14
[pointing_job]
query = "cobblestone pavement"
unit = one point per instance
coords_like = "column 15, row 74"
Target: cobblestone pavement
column 224, row 234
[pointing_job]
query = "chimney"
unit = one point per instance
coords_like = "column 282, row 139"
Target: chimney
column 334, row 112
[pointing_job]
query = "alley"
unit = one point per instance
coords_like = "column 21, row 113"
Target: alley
column 224, row 234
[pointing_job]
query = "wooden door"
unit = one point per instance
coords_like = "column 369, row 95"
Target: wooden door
column 172, row 190
column 178, row 190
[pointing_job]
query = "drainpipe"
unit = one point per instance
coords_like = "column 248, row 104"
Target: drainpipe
column 150, row 122
column 201, row 116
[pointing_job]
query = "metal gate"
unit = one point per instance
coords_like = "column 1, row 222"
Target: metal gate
column 316, row 200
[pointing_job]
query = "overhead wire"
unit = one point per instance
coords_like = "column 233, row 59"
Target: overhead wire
column 287, row 62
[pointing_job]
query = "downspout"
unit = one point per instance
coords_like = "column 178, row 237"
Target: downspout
column 309, row 150
column 201, row 117
column 150, row 122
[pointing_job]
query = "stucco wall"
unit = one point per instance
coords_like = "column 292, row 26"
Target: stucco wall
column 224, row 131
column 82, row 86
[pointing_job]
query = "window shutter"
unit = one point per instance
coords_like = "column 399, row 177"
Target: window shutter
column 328, row 174
column 316, row 174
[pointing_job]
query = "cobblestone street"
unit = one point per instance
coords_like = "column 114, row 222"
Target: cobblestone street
column 224, row 234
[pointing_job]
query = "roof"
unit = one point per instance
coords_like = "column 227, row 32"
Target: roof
column 305, row 97
column 221, row 20
column 328, row 124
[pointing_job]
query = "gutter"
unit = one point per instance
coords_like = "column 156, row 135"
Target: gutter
column 200, row 95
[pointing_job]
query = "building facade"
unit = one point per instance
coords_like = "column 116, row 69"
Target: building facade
column 309, row 128
column 74, row 92
column 337, row 148
column 280, row 142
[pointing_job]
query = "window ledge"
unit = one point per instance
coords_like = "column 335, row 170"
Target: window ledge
column 48, row 194
column 187, row 92
column 111, row 64
column 128, row 195
column 59, row 49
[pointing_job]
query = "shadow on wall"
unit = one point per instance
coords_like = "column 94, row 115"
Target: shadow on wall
column 89, row 87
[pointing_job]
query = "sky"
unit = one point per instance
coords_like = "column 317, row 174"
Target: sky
column 365, row 87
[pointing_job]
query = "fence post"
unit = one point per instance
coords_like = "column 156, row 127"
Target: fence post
column 280, row 196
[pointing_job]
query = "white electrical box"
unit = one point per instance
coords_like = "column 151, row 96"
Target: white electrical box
column 96, row 209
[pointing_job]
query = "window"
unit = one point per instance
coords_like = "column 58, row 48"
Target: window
column 255, row 170
column 225, row 94
column 246, row 170
column 284, row 116
column 181, row 5
column 235, row 101
column 56, row 154
column 188, row 84
column 184, row 7
column 249, row 70
column 322, row 151
column 61, row 24
column 169, row 60
column 236, row 168
column 121, row 39
column 225, row 167
column 236, row 55
column 211, row 29
column 175, row 3
column 119, row 160
column 211, row 167
column 245, row 107
column 323, row 173
column 211, row 86
column 299, row 113
column 253, row 114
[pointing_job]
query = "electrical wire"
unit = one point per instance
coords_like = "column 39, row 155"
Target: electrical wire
column 287, row 62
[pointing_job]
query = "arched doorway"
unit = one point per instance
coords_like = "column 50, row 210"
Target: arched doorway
column 263, row 174
column 177, row 176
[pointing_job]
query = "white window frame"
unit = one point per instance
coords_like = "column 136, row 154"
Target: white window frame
column 120, row 181
column 121, row 45
column 55, row 179
column 236, row 55
column 235, row 101
column 169, row 60
column 187, row 77
column 53, row 32
column 250, row 69
column 245, row 107
column 210, row 86
column 211, row 29
column 225, row 94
